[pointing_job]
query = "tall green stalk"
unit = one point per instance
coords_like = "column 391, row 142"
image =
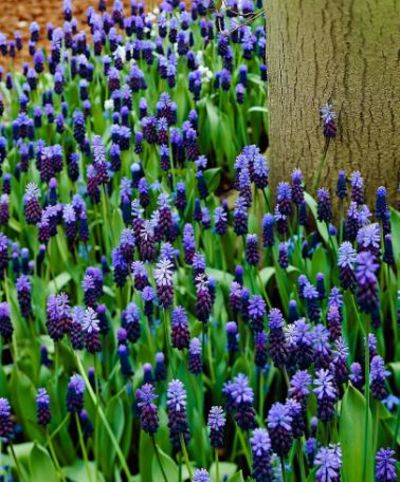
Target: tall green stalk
column 366, row 395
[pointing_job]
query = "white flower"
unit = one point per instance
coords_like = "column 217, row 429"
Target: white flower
column 90, row 322
column 109, row 104
column 120, row 52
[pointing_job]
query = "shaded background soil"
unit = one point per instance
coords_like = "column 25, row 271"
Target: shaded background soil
column 17, row 15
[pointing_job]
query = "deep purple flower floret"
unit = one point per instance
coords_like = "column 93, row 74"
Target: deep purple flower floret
column 280, row 429
column 43, row 413
column 261, row 453
column 75, row 394
column 329, row 463
column 145, row 397
column 385, row 469
column 216, row 423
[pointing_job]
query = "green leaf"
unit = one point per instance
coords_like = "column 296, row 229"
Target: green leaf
column 352, row 436
column 226, row 469
column 266, row 274
column 79, row 471
column 238, row 477
column 212, row 178
column 146, row 454
column 257, row 108
column 170, row 468
column 116, row 416
column 41, row 465
column 322, row 229
column 58, row 282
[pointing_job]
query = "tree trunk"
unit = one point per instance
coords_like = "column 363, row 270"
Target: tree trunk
column 345, row 52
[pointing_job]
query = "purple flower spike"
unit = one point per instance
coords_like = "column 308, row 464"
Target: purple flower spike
column 176, row 409
column 165, row 288
column 367, row 283
column 43, row 414
column 378, row 377
column 240, row 398
column 280, row 429
column 6, row 327
column 216, row 423
column 195, row 357
column 6, row 424
column 278, row 347
column 75, row 394
column 257, row 311
column 385, row 470
column 329, row 463
column 145, row 397
column 326, row 393
column 261, row 452
column 201, row 475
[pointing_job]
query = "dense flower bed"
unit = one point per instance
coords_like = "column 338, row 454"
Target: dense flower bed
column 164, row 315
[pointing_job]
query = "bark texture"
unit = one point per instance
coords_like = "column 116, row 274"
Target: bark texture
column 346, row 52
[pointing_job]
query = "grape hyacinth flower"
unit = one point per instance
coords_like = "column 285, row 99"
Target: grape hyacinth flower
column 277, row 342
column 204, row 299
column 311, row 296
column 378, row 378
column 201, row 475
column 240, row 398
column 232, row 337
column 195, row 357
column 280, row 429
column 130, row 320
column 6, row 423
column 43, row 413
column 75, row 394
column 257, row 312
column 324, row 206
column 179, row 328
column 32, row 209
column 356, row 375
column 366, row 288
column 176, row 410
column 328, row 116
column 260, row 349
column 164, row 283
column 160, row 370
column 91, row 330
column 252, row 254
column 326, row 393
column 346, row 261
column 261, row 453
column 216, row 423
column 329, row 462
column 299, row 389
column 6, row 327
column 24, row 293
column 145, row 397
column 385, row 468
column 123, row 355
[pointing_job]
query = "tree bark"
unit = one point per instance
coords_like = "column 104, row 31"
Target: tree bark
column 345, row 52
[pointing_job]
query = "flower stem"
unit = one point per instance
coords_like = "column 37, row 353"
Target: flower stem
column 217, row 466
column 103, row 418
column 17, row 466
column 83, row 447
column 244, row 446
column 185, row 456
column 54, row 455
column 366, row 395
column 158, row 457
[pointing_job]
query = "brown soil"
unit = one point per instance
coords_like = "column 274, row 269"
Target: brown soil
column 17, row 15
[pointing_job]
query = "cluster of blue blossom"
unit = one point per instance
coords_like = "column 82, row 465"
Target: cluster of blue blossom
column 150, row 279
